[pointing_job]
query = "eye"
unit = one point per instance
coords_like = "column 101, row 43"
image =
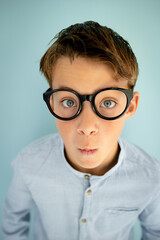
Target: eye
column 69, row 103
column 108, row 104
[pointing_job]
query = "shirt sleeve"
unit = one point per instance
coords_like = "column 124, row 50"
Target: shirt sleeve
column 17, row 207
column 150, row 219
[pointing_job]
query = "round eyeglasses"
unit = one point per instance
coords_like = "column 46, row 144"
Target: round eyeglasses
column 108, row 103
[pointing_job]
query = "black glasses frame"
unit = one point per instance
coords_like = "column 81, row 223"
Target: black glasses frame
column 90, row 98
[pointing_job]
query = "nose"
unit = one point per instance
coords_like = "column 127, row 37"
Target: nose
column 88, row 122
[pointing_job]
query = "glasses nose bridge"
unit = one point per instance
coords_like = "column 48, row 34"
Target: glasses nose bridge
column 87, row 97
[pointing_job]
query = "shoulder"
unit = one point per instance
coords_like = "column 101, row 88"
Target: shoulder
column 36, row 154
column 143, row 165
column 135, row 153
column 42, row 145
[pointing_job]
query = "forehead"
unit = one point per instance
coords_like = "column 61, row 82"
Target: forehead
column 84, row 75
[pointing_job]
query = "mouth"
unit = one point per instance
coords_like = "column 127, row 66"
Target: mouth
column 87, row 151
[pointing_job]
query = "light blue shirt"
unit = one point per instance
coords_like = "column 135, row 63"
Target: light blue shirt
column 71, row 205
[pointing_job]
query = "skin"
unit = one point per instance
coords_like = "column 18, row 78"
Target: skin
column 88, row 131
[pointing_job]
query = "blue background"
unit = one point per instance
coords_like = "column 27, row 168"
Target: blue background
column 26, row 29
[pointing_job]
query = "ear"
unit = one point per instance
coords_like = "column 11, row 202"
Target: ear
column 133, row 105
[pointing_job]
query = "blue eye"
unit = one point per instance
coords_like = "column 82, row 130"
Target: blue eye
column 108, row 104
column 68, row 103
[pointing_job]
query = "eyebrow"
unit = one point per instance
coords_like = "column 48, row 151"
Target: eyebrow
column 69, row 88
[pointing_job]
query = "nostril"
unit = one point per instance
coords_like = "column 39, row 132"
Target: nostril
column 87, row 132
column 93, row 133
column 80, row 132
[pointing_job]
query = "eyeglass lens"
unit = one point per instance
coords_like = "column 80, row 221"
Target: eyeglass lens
column 109, row 103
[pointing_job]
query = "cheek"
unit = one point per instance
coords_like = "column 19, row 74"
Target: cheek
column 114, row 128
column 65, row 129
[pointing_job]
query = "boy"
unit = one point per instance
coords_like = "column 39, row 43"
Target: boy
column 86, row 183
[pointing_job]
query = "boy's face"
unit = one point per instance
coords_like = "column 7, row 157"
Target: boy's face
column 90, row 142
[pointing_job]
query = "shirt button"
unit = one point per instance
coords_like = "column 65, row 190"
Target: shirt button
column 86, row 176
column 89, row 192
column 84, row 220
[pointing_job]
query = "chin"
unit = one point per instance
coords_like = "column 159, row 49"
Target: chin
column 88, row 165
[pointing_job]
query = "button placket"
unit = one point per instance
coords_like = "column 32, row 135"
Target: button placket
column 86, row 208
column 86, row 176
column 86, row 205
column 89, row 192
column 84, row 220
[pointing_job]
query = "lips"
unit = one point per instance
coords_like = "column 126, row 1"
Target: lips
column 87, row 151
